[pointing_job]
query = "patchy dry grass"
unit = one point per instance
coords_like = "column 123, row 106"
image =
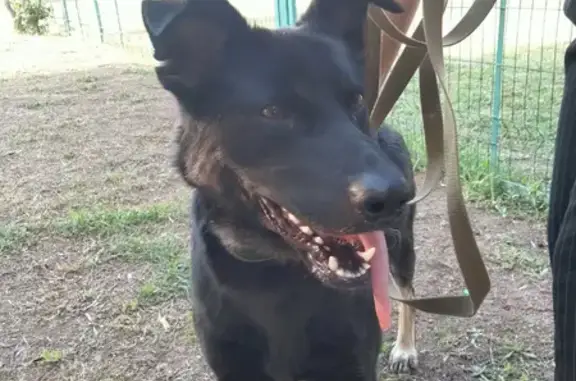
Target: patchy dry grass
column 13, row 238
column 138, row 236
column 50, row 356
column 529, row 261
column 104, row 222
column 93, row 242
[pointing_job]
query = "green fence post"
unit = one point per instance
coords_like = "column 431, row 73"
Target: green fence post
column 285, row 12
column 291, row 12
column 497, row 90
column 119, row 22
column 66, row 17
column 278, row 13
column 79, row 18
column 99, row 20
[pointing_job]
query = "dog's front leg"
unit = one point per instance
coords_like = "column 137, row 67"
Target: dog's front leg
column 344, row 377
column 234, row 354
column 348, row 369
column 404, row 357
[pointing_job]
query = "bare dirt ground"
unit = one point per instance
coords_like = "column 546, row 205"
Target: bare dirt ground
column 93, row 243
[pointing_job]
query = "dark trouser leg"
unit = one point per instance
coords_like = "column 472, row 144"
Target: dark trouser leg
column 564, row 294
column 562, row 228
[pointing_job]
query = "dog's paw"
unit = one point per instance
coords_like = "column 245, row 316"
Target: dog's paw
column 403, row 360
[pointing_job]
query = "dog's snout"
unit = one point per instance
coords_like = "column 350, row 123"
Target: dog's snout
column 377, row 197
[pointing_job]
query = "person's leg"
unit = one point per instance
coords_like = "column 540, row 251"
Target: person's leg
column 564, row 172
column 562, row 228
column 564, row 294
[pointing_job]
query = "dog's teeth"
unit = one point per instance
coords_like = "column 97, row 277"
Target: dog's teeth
column 306, row 230
column 333, row 263
column 361, row 271
column 318, row 240
column 368, row 254
column 365, row 266
column 293, row 218
column 326, row 248
column 340, row 272
column 350, row 274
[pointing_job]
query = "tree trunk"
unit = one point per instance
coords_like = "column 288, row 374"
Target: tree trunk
column 8, row 6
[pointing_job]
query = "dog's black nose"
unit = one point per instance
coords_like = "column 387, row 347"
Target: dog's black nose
column 378, row 197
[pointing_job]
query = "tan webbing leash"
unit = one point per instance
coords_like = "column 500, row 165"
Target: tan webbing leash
column 424, row 51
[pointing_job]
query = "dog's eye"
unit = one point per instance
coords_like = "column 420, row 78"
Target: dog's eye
column 359, row 100
column 273, row 112
column 355, row 101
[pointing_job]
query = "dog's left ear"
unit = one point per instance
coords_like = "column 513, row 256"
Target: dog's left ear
column 190, row 36
column 343, row 19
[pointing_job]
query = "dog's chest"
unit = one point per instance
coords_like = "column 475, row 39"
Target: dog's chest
column 294, row 313
column 300, row 323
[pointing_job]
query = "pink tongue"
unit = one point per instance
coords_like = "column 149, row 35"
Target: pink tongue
column 379, row 270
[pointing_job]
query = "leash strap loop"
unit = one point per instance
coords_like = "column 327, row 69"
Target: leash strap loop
column 423, row 51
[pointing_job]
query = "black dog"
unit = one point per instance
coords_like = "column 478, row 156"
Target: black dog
column 291, row 190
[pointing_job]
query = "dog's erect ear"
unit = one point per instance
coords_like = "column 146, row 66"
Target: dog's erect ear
column 191, row 34
column 343, row 19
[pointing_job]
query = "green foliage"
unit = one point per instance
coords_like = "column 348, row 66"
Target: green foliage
column 31, row 16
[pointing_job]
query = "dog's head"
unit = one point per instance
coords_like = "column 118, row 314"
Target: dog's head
column 275, row 119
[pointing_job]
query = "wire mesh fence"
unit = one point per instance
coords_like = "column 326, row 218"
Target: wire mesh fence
column 505, row 80
column 506, row 84
column 119, row 22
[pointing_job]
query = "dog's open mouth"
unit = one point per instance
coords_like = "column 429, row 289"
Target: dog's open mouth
column 346, row 259
column 343, row 257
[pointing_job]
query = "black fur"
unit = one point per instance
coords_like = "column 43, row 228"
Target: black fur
column 276, row 115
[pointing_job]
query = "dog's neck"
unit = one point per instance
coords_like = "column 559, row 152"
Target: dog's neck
column 243, row 236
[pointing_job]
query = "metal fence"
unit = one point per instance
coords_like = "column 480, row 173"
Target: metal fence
column 506, row 84
column 505, row 80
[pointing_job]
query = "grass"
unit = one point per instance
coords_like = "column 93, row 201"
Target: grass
column 145, row 235
column 531, row 93
column 103, row 222
column 13, row 238
column 509, row 361
column 167, row 255
column 50, row 356
column 520, row 259
column 139, row 236
column 505, row 358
